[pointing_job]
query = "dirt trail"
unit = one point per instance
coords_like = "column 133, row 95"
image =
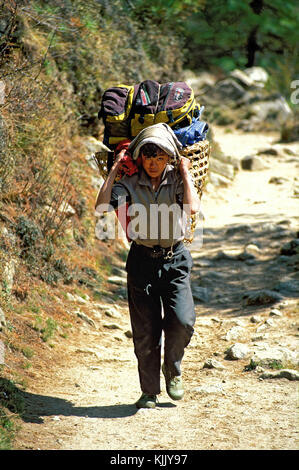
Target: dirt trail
column 87, row 400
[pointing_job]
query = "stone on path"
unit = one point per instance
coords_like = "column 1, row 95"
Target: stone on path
column 267, row 356
column 237, row 351
column 261, row 297
column 289, row 374
column 212, row 363
column 85, row 318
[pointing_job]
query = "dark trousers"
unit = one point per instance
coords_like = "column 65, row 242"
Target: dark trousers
column 160, row 298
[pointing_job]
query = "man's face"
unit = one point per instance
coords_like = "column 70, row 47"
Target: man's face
column 154, row 166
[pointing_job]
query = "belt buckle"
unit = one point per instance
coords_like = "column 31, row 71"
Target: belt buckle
column 169, row 253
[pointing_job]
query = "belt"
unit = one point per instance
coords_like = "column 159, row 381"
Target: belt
column 157, row 251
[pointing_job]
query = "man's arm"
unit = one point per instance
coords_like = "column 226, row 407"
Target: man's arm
column 104, row 195
column 191, row 198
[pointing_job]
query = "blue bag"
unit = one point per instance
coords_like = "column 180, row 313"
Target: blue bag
column 193, row 133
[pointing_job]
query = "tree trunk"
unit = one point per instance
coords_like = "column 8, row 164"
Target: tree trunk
column 252, row 47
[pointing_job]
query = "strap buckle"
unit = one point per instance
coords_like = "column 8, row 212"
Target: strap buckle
column 169, row 254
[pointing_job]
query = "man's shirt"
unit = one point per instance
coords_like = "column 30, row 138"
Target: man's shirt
column 156, row 217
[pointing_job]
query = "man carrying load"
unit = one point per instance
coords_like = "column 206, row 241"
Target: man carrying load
column 159, row 264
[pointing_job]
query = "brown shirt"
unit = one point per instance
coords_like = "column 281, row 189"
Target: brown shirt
column 156, row 216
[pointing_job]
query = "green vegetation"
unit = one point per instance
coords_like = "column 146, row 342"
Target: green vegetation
column 11, row 407
column 46, row 328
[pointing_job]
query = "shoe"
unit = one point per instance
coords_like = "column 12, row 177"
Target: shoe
column 146, row 401
column 174, row 385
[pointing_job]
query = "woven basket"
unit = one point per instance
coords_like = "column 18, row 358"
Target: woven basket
column 101, row 159
column 199, row 155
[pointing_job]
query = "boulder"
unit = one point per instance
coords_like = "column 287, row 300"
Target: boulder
column 218, row 180
column 275, row 312
column 269, row 151
column 212, row 363
column 242, row 78
column 277, row 180
column 257, row 75
column 234, row 333
column 117, row 280
column 222, row 168
column 268, row 356
column 276, row 109
column 201, row 81
column 8, row 235
column 253, row 163
column 290, row 133
column 249, row 125
column 261, row 297
column 255, row 319
column 289, row 374
column 237, row 351
column 229, row 89
column 85, row 318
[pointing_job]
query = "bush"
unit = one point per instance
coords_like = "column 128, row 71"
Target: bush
column 28, row 232
column 11, row 399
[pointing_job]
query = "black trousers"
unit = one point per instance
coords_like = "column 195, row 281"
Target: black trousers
column 160, row 298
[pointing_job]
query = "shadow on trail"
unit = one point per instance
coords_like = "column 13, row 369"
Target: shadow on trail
column 39, row 406
column 237, row 261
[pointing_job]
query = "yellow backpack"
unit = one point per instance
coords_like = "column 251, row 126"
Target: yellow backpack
column 127, row 109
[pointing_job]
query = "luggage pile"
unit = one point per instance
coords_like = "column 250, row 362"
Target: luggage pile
column 127, row 109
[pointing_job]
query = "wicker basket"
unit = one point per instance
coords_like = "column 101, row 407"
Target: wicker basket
column 101, row 159
column 199, row 154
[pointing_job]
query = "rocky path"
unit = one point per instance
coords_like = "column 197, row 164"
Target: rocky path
column 240, row 370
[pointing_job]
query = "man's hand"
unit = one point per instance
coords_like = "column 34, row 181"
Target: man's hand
column 184, row 166
column 118, row 159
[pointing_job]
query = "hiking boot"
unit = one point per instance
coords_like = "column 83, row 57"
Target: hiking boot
column 174, row 385
column 146, row 401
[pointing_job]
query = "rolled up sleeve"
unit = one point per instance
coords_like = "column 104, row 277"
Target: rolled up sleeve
column 119, row 195
column 180, row 193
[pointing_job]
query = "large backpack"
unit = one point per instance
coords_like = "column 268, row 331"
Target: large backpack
column 127, row 109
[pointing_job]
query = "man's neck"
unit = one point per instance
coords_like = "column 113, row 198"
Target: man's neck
column 156, row 182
